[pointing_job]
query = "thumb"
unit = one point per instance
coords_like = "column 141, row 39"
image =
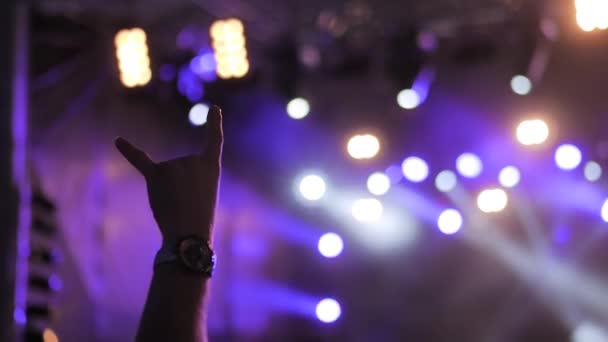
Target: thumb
column 136, row 157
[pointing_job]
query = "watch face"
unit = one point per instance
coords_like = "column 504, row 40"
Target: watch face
column 196, row 255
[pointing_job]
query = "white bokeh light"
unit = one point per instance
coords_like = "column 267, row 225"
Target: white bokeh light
column 469, row 165
column 408, row 99
column 328, row 310
column 312, row 187
column 330, row 245
column 415, row 169
column 198, row 114
column 605, row 211
column 492, row 200
column 593, row 171
column 378, row 183
column 589, row 332
column 521, row 85
column 592, row 14
column 367, row 210
column 298, row 108
column 363, row 146
column 568, row 157
column 446, row 181
column 509, row 176
column 532, row 132
column 450, row 221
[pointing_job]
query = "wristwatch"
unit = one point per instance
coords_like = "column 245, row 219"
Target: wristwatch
column 194, row 254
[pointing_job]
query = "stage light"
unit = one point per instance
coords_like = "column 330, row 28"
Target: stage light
column 328, row 310
column 415, row 169
column 446, row 181
column 330, row 245
column 204, row 66
column 133, row 58
column 605, row 211
column 492, row 200
column 298, row 108
column 378, row 183
column 593, row 171
column 532, row 132
column 469, row 165
column 568, row 157
column 450, row 221
column 48, row 335
column 408, row 99
column 312, row 187
column 589, row 332
column 367, row 210
column 521, row 85
column 592, row 14
column 363, row 146
column 229, row 46
column 509, row 176
column 198, row 114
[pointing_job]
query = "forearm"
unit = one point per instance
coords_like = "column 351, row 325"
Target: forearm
column 175, row 307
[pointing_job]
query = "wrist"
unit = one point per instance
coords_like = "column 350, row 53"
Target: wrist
column 190, row 254
column 176, row 232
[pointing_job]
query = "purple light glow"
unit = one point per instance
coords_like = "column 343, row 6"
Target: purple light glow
column 189, row 85
column 19, row 316
column 167, row 72
column 394, row 174
column 55, row 283
column 204, row 66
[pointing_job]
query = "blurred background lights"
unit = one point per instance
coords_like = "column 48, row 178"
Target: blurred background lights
column 521, row 85
column 589, row 332
column 492, row 200
column 532, row 132
column 394, row 173
column 593, row 171
column 450, row 221
column 204, row 66
column 509, row 176
column 312, row 187
column 228, row 41
column 568, row 157
column 330, row 245
column 446, row 181
column 469, row 165
column 605, row 211
column 378, row 183
column 415, row 169
column 48, row 335
column 592, row 14
column 408, row 99
column 133, row 59
column 328, row 310
column 363, row 146
column 367, row 210
column 298, row 108
column 198, row 114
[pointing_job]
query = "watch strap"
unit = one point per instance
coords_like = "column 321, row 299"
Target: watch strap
column 167, row 253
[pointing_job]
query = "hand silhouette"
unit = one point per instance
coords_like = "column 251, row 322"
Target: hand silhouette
column 182, row 191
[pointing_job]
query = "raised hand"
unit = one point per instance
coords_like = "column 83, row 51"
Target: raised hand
column 182, row 191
